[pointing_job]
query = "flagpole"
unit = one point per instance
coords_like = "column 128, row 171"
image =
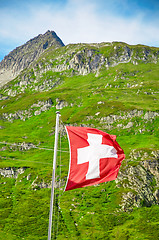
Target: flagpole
column 53, row 175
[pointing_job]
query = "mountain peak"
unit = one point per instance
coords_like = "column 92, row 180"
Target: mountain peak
column 23, row 56
column 49, row 36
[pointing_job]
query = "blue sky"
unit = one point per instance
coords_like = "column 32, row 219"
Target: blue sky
column 75, row 21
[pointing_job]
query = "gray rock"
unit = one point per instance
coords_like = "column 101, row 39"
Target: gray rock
column 11, row 172
column 61, row 104
column 129, row 125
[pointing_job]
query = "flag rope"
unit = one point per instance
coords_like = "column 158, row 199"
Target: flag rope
column 58, row 199
column 53, row 226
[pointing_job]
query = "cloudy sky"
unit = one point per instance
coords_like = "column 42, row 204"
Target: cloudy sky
column 75, row 21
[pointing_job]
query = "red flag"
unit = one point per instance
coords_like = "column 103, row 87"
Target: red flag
column 95, row 157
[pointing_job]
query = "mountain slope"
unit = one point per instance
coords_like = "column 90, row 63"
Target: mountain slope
column 110, row 86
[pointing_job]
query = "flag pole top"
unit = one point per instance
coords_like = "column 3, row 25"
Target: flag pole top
column 58, row 112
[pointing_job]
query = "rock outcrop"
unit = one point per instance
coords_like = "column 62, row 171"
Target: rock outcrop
column 140, row 184
column 88, row 59
column 11, row 172
column 35, row 109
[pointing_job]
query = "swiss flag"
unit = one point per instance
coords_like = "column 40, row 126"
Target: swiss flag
column 95, row 157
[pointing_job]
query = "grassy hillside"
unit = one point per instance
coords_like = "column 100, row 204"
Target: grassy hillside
column 121, row 100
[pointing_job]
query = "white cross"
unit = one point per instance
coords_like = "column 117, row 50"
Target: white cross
column 93, row 153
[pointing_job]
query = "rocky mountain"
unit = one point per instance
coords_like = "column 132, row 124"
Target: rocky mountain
column 109, row 86
column 22, row 57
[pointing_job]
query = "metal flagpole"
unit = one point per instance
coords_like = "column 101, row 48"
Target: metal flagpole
column 53, row 175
